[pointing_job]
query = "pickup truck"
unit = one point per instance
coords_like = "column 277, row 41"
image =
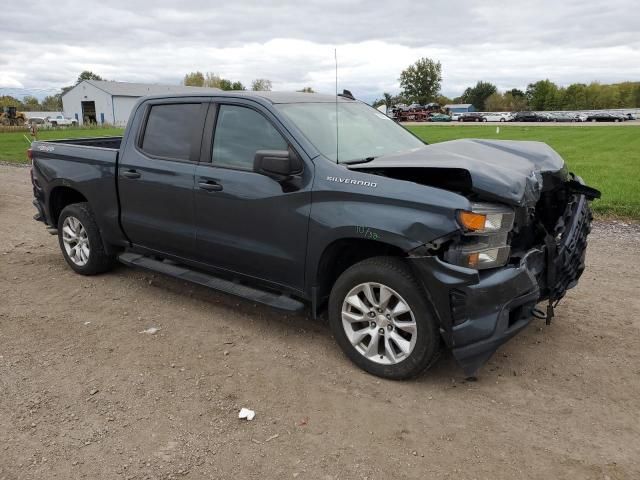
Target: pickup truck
column 61, row 121
column 300, row 200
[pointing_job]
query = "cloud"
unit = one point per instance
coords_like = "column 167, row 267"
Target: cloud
column 46, row 44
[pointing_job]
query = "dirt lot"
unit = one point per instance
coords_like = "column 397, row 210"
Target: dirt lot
column 83, row 394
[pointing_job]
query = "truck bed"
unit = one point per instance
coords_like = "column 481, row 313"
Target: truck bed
column 85, row 165
column 97, row 150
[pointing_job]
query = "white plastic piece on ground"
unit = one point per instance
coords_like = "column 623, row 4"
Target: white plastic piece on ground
column 151, row 330
column 246, row 413
column 497, row 129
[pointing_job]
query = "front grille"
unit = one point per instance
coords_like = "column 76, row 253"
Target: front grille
column 571, row 240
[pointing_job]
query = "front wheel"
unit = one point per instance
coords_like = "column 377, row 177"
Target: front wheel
column 381, row 319
column 81, row 242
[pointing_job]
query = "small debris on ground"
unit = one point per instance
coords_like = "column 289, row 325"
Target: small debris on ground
column 150, row 330
column 246, row 413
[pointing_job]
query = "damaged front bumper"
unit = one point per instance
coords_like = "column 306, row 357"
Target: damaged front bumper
column 480, row 310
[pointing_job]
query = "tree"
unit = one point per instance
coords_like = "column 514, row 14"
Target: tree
column 515, row 92
column 261, row 85
column 478, row 95
column 514, row 102
column 542, row 95
column 193, row 79
column 52, row 103
column 307, row 90
column 210, row 80
column 9, row 101
column 88, row 75
column 31, row 103
column 495, row 103
column 420, row 82
column 443, row 100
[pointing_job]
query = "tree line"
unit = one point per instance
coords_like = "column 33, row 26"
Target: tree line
column 211, row 80
column 421, row 82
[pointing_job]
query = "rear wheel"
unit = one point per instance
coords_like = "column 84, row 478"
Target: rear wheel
column 381, row 319
column 81, row 242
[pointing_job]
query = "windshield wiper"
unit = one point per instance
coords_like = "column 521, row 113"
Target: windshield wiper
column 360, row 160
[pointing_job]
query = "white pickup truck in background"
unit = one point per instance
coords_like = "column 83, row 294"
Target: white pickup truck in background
column 61, row 121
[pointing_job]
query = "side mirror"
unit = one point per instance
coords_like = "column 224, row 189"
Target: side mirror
column 279, row 164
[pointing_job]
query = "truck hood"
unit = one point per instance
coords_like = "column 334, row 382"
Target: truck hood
column 502, row 170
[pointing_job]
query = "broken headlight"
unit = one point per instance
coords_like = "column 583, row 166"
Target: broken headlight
column 485, row 243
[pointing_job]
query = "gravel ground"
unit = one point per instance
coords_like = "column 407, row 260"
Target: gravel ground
column 84, row 394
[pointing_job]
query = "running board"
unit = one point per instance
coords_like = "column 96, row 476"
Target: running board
column 283, row 302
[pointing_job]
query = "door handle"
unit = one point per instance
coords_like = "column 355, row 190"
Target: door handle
column 210, row 186
column 130, row 174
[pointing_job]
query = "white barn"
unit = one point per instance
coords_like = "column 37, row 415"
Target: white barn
column 99, row 101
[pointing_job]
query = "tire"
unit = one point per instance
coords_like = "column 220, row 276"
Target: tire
column 91, row 260
column 394, row 275
column 502, row 120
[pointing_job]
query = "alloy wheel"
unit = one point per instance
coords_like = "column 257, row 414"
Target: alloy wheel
column 76, row 241
column 379, row 323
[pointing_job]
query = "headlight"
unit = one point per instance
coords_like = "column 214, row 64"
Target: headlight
column 485, row 242
column 486, row 218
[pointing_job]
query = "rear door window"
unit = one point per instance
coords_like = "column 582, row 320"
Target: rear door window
column 172, row 130
column 240, row 133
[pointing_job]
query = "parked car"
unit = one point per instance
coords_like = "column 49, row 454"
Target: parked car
column 630, row 116
column 247, row 193
column 439, row 117
column 562, row 117
column 36, row 121
column 471, row 117
column 604, row 117
column 527, row 117
column 497, row 117
column 61, row 121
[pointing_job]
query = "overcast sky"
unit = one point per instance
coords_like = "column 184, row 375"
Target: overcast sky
column 45, row 44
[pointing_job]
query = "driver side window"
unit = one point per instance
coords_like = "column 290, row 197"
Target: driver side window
column 239, row 133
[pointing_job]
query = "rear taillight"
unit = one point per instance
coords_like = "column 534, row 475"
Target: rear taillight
column 30, row 154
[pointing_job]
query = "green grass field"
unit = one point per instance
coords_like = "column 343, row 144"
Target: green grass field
column 608, row 158
column 14, row 145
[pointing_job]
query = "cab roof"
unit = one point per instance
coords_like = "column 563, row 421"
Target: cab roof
column 271, row 97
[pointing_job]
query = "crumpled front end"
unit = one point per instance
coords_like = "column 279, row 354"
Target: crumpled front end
column 480, row 309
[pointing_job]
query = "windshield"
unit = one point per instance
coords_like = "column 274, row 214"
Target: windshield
column 364, row 132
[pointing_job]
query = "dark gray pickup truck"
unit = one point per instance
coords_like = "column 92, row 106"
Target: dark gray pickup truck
column 408, row 247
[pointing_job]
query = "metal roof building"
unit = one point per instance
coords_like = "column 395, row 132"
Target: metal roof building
column 459, row 108
column 99, row 101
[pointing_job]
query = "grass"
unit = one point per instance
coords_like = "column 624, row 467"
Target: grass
column 607, row 157
column 13, row 145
